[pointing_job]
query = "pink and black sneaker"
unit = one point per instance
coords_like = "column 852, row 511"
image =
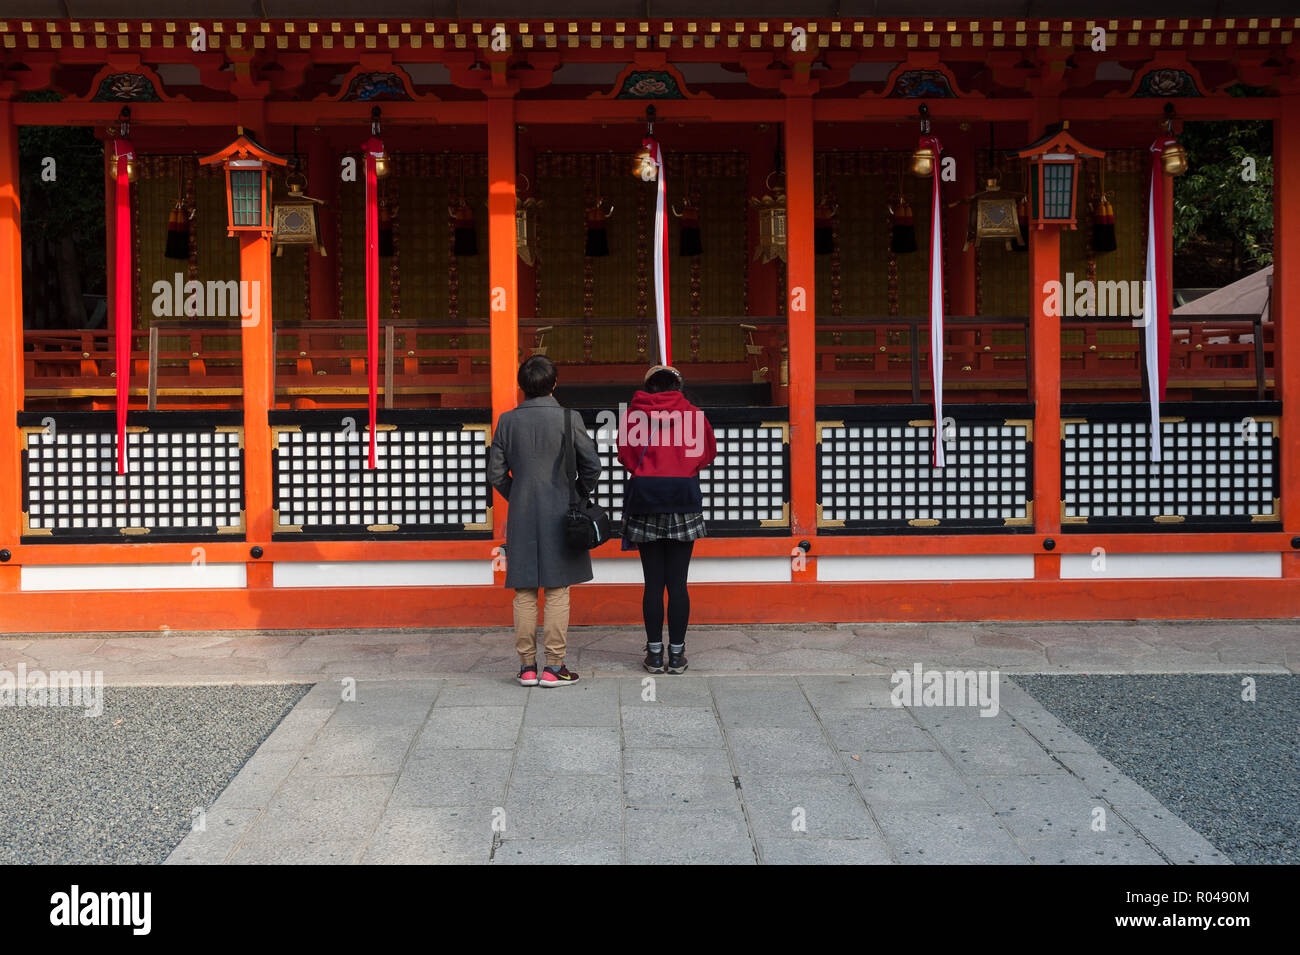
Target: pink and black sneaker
column 528, row 675
column 557, row 676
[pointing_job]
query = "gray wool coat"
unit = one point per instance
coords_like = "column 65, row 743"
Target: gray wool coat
column 526, row 464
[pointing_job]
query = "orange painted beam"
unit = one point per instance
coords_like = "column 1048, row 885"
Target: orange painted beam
column 11, row 338
column 620, row 605
column 543, row 112
column 801, row 311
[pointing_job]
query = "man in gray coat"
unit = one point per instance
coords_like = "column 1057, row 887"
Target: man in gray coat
column 527, row 465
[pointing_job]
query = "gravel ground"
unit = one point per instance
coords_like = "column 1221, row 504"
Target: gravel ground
column 1228, row 768
column 122, row 787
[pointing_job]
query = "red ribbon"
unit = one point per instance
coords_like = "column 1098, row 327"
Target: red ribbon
column 122, row 151
column 936, row 303
column 372, row 148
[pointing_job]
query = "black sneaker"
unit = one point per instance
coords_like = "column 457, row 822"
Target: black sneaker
column 677, row 661
column 654, row 660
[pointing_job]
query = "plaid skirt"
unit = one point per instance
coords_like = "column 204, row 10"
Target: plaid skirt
column 643, row 528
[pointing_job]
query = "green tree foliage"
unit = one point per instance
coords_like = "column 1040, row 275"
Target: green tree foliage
column 1223, row 223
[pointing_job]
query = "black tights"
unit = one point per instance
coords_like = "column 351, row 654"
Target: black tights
column 664, row 564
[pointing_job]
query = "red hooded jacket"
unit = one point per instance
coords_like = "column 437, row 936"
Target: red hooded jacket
column 664, row 441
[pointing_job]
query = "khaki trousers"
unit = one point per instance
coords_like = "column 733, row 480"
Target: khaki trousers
column 555, row 625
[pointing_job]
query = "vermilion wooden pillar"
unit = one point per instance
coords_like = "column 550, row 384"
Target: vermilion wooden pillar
column 1286, row 310
column 503, row 295
column 800, row 285
column 256, row 342
column 11, row 338
column 1045, row 342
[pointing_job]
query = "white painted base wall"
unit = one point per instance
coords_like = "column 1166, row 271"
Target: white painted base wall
column 928, row 567
column 1120, row 566
column 704, row 570
column 383, row 573
column 133, row 576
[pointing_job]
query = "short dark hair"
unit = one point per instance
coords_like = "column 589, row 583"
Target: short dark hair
column 537, row 376
column 663, row 381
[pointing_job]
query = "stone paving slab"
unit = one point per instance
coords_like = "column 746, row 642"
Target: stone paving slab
column 780, row 746
column 474, row 769
column 302, row 656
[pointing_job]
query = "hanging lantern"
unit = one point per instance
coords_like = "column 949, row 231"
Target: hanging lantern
column 689, row 238
column 771, row 223
column 297, row 217
column 1054, row 162
column 526, row 226
column 248, row 183
column 993, row 215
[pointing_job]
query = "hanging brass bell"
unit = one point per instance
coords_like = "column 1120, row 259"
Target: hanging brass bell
column 923, row 162
column 130, row 168
column 643, row 166
column 1173, row 158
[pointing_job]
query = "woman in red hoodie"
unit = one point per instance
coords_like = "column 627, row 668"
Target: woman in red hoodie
column 664, row 442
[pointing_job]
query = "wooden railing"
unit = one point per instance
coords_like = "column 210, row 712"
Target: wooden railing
column 869, row 354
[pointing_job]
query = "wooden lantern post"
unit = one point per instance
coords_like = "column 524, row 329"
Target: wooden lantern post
column 248, row 214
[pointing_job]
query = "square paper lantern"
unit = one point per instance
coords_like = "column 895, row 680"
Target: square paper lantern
column 1054, row 163
column 248, row 183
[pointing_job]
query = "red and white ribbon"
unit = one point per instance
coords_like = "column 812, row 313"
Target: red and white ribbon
column 122, row 151
column 373, row 148
column 1156, row 296
column 936, row 304
column 661, row 254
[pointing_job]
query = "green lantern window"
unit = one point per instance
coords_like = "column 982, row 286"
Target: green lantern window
column 246, row 197
column 1058, row 187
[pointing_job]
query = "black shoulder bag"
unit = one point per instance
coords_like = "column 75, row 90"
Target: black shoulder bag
column 586, row 525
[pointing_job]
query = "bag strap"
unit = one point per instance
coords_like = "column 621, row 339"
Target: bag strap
column 570, row 465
